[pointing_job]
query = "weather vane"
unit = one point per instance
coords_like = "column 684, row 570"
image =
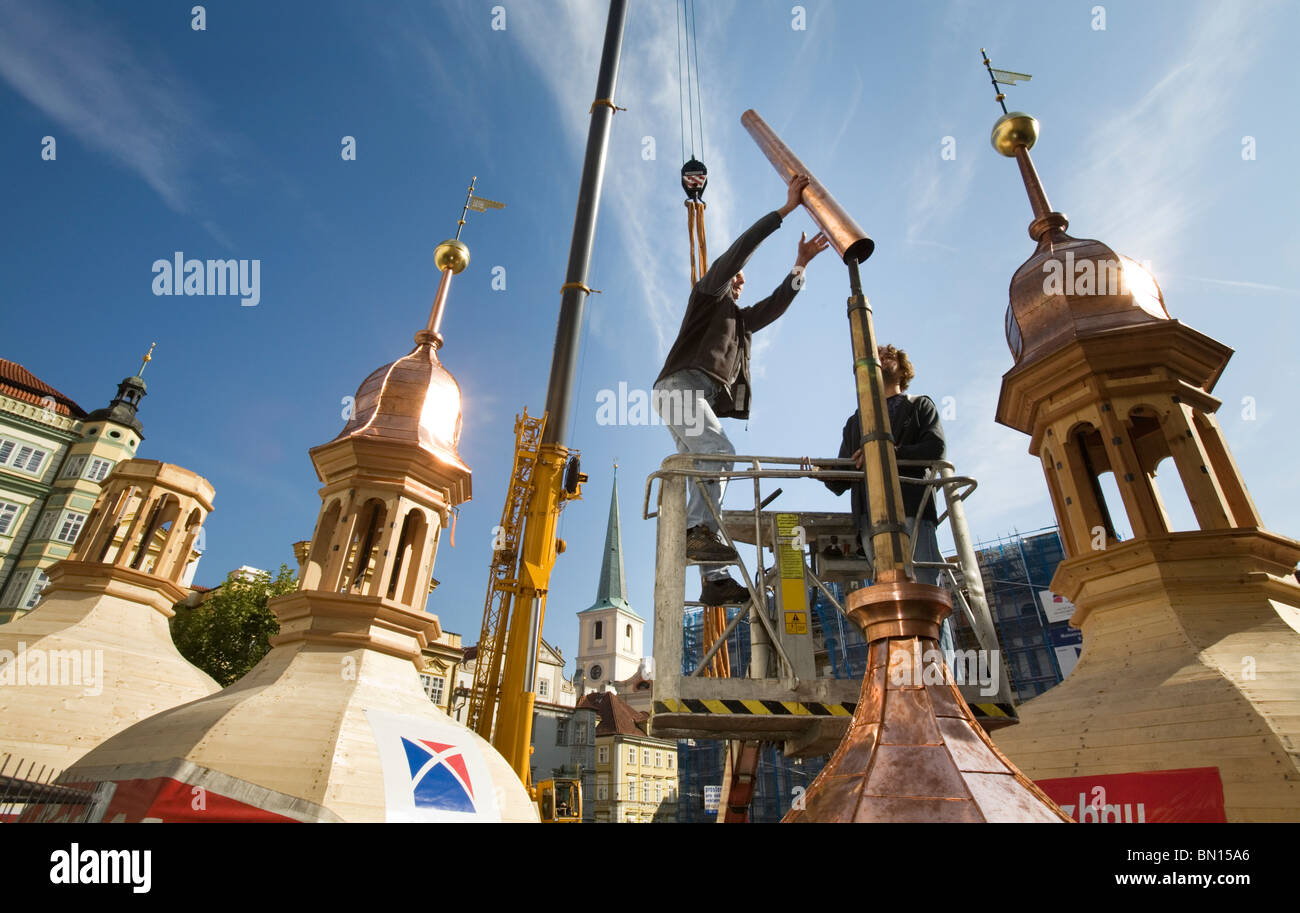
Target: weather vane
column 1000, row 77
column 478, row 204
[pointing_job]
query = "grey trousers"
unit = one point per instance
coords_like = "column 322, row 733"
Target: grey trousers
column 684, row 400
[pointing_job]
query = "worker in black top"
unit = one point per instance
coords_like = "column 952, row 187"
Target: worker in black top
column 918, row 435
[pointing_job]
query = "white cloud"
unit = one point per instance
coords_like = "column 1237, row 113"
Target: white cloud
column 86, row 79
column 1130, row 180
column 645, row 208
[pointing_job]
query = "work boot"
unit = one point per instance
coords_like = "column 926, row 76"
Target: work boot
column 723, row 591
column 703, row 547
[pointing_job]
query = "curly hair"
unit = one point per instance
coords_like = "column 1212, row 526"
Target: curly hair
column 895, row 366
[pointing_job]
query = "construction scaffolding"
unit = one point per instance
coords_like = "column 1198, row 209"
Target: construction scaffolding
column 788, row 687
column 1016, row 571
column 759, row 695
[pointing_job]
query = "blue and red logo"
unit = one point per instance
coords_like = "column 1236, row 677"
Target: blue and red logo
column 439, row 776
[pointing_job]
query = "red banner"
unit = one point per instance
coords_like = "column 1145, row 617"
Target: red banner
column 1194, row 794
column 164, row 800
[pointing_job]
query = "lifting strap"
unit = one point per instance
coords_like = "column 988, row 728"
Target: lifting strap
column 695, row 177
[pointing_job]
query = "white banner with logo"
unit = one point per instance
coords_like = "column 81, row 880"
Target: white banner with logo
column 433, row 770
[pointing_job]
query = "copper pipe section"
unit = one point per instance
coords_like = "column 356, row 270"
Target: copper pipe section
column 890, row 542
column 1037, row 195
column 439, row 306
column 1045, row 219
column 914, row 752
column 845, row 235
column 899, row 609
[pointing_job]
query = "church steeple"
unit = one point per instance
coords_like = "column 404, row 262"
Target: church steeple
column 610, row 631
column 129, row 393
column 611, row 591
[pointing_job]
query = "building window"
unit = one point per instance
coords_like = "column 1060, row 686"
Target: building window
column 659, row 792
column 22, row 456
column 631, row 756
column 645, row 792
column 645, row 758
column 561, row 732
column 670, row 762
column 580, row 733
column 599, row 631
column 98, row 470
column 602, row 754
column 41, row 580
column 46, row 525
column 71, row 527
column 659, row 759
column 18, row 586
column 630, row 795
column 543, row 687
column 602, row 789
column 75, row 465
column 8, row 514
column 433, row 685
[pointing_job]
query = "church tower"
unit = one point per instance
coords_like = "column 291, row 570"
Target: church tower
column 1191, row 656
column 106, row 438
column 610, row 632
column 333, row 724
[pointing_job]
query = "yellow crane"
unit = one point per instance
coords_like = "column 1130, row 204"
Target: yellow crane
column 545, row 476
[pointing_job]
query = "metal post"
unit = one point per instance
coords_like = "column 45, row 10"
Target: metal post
column 889, row 539
column 970, row 568
column 670, row 576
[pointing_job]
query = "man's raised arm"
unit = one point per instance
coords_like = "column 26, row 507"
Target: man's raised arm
column 733, row 260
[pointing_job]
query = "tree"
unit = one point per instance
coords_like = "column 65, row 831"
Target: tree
column 229, row 632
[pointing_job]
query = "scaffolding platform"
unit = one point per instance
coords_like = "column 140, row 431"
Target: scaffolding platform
column 781, row 687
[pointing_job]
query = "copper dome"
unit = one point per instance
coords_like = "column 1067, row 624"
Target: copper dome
column 1072, row 287
column 413, row 400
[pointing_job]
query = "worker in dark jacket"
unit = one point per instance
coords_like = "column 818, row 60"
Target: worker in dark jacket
column 918, row 435
column 706, row 378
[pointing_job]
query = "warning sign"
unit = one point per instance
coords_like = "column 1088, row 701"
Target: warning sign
column 790, row 562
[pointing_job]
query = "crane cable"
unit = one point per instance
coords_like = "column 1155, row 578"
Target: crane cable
column 694, row 173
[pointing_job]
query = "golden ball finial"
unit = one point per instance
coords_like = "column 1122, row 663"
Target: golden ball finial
column 451, row 254
column 1014, row 130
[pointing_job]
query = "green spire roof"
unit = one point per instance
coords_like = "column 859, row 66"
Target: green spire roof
column 611, row 590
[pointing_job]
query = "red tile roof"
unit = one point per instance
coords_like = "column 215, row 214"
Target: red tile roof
column 616, row 717
column 20, row 384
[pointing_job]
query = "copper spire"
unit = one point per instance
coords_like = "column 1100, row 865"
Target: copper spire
column 914, row 752
column 1048, row 307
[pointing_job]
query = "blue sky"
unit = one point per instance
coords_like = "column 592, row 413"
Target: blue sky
column 226, row 143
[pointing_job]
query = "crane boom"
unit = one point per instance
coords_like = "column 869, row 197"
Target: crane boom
column 545, row 475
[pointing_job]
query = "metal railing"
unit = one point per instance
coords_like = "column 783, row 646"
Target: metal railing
column 785, row 668
column 938, row 474
column 29, row 795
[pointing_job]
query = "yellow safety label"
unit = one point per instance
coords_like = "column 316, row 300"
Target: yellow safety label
column 796, row 622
